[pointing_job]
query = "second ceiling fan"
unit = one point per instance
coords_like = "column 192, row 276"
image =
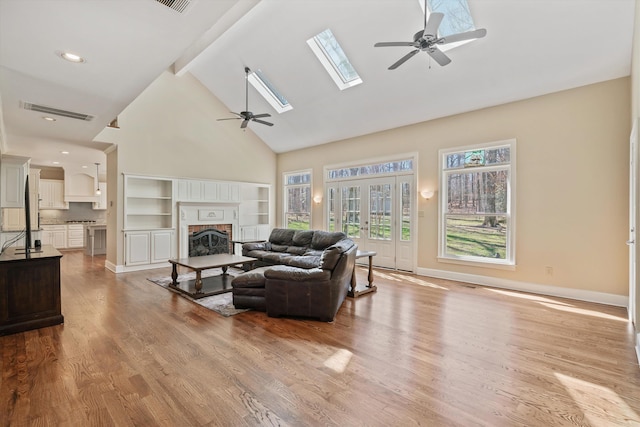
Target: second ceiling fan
column 246, row 115
column 427, row 40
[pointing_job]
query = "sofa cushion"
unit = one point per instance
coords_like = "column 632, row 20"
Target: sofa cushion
column 332, row 254
column 281, row 236
column 324, row 239
column 275, row 257
column 303, row 237
column 250, row 279
column 303, row 261
column 313, row 252
column 297, row 250
column 279, row 248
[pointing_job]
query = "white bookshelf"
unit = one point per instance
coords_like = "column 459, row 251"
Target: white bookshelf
column 148, row 203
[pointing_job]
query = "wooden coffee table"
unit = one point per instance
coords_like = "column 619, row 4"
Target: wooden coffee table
column 200, row 288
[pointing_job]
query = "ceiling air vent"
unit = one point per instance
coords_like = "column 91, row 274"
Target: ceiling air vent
column 55, row 111
column 177, row 5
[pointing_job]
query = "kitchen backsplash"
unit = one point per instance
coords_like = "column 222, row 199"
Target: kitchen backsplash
column 78, row 211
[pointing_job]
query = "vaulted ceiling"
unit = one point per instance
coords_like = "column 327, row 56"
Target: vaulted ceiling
column 532, row 47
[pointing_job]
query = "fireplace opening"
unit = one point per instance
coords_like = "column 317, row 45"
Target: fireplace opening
column 210, row 239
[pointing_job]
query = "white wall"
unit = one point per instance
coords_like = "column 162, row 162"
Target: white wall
column 572, row 182
column 171, row 130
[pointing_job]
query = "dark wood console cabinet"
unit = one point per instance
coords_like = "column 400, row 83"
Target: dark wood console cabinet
column 29, row 290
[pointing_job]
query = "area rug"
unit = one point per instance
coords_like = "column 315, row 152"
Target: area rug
column 221, row 303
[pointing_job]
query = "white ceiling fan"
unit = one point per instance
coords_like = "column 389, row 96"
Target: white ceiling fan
column 427, row 40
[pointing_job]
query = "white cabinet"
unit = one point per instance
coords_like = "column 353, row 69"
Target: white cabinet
column 193, row 190
column 55, row 235
column 52, row 194
column 137, row 247
column 13, row 173
column 75, row 236
column 16, row 238
column 101, row 204
column 148, row 247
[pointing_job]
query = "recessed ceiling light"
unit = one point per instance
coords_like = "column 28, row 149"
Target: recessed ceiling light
column 71, row 57
column 84, row 166
column 64, row 152
column 49, row 119
column 56, row 163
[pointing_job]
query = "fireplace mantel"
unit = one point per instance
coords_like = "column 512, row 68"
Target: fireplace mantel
column 195, row 213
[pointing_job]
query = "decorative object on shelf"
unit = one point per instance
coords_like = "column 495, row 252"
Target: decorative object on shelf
column 247, row 115
column 427, row 40
column 98, row 192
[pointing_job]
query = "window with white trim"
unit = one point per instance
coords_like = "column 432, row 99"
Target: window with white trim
column 477, row 204
column 297, row 200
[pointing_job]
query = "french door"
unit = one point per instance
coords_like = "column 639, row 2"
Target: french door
column 377, row 214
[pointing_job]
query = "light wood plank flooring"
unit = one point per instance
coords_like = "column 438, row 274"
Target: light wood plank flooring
column 420, row 351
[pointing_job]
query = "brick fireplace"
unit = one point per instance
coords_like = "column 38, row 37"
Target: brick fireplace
column 195, row 217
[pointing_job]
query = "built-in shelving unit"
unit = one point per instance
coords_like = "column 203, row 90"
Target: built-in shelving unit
column 148, row 203
column 255, row 211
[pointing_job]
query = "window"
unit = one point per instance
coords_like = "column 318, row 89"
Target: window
column 334, row 60
column 477, row 204
column 457, row 19
column 269, row 92
column 297, row 203
column 372, row 169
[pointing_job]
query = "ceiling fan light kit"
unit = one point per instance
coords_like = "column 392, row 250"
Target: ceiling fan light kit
column 247, row 116
column 427, row 40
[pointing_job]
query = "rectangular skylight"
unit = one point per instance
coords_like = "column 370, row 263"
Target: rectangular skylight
column 457, row 19
column 333, row 59
column 269, row 92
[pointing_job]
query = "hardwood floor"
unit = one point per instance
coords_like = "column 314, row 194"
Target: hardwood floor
column 420, row 351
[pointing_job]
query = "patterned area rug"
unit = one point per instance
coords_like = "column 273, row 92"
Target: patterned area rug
column 221, row 303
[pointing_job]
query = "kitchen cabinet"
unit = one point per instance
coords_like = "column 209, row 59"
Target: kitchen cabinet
column 14, row 218
column 13, row 174
column 16, row 238
column 75, row 236
column 52, row 194
column 54, row 235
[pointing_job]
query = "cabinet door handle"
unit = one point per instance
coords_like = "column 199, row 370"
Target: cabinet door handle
column 630, row 242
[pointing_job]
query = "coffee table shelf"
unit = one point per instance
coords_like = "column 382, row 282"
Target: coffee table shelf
column 200, row 288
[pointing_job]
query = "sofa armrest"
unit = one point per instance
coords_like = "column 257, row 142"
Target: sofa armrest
column 253, row 246
column 296, row 274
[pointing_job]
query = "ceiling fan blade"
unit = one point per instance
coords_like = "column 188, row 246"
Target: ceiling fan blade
column 402, row 60
column 261, row 115
column 386, row 44
column 231, row 118
column 244, row 124
column 263, row 122
column 438, row 56
column 433, row 24
column 476, row 34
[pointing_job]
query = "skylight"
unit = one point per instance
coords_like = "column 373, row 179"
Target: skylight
column 457, row 19
column 269, row 92
column 334, row 60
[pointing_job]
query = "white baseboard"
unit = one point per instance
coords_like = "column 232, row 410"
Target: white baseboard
column 638, row 347
column 126, row 269
column 556, row 291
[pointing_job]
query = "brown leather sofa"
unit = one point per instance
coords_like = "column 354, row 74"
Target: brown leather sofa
column 312, row 285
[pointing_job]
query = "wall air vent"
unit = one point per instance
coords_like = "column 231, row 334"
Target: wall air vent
column 177, row 5
column 55, row 111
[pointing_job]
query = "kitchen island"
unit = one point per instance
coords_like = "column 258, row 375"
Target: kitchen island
column 96, row 239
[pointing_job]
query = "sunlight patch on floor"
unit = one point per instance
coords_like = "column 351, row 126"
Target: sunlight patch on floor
column 339, row 360
column 536, row 298
column 406, row 278
column 595, row 401
column 585, row 312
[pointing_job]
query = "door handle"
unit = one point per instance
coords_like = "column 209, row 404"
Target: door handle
column 631, row 242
